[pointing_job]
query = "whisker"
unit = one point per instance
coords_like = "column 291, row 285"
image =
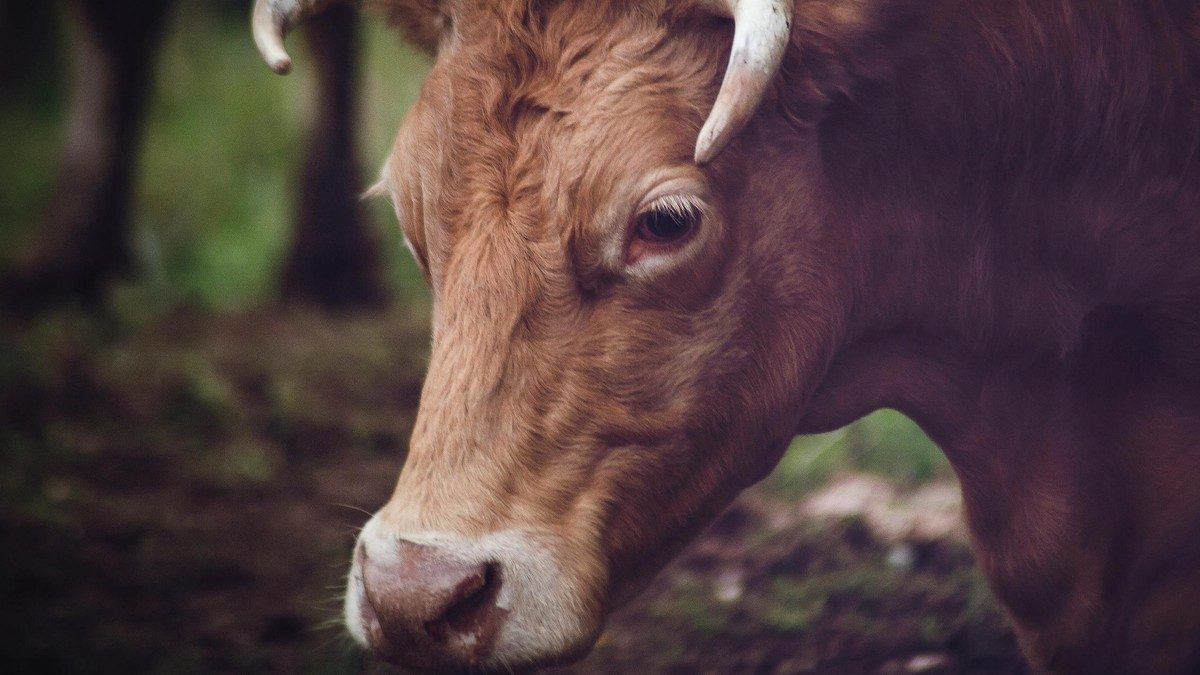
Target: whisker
column 353, row 508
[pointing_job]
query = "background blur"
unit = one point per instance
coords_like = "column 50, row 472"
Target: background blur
column 211, row 353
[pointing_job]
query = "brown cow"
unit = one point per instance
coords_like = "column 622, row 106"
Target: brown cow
column 981, row 213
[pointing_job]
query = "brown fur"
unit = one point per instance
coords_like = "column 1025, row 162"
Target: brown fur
column 980, row 213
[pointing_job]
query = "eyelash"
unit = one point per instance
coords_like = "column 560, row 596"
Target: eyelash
column 668, row 221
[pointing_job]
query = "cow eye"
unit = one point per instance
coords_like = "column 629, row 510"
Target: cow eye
column 669, row 220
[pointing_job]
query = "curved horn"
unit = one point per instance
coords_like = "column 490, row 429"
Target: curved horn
column 271, row 21
column 762, row 30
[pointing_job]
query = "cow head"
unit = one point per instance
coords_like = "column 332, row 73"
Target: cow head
column 624, row 333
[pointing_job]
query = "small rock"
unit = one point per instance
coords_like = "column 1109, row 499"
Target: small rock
column 927, row 663
column 729, row 585
column 901, row 557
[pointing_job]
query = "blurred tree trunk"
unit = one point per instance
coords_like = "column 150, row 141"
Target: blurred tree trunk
column 335, row 258
column 27, row 38
column 82, row 242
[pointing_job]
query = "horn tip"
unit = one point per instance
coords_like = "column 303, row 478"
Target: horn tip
column 268, row 27
column 713, row 136
column 282, row 65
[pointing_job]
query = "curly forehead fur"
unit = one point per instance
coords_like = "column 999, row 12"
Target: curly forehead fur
column 515, row 78
column 517, row 83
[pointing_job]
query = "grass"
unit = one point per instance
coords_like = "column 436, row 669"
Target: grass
column 885, row 443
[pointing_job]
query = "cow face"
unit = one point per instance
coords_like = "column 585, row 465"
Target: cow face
column 615, row 352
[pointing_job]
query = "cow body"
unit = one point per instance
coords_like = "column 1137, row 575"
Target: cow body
column 1027, row 217
column 983, row 214
column 1029, row 223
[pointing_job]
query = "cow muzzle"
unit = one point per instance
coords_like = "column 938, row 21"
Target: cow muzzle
column 443, row 602
column 421, row 597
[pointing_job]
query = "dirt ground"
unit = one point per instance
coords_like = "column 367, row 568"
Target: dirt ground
column 181, row 496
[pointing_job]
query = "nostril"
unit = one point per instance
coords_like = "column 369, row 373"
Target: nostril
column 428, row 600
column 472, row 615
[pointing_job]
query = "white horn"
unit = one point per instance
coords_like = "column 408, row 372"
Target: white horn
column 271, row 21
column 762, row 30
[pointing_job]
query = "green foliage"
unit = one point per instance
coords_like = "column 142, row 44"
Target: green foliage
column 692, row 604
column 792, row 605
column 245, row 462
column 224, row 139
column 29, row 146
column 890, row 444
column 216, row 177
column 810, row 461
column 886, row 443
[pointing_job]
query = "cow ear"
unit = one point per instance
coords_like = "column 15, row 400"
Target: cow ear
column 421, row 21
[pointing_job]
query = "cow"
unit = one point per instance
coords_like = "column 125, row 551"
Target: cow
column 666, row 236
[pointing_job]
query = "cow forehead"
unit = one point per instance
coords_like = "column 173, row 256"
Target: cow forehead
column 533, row 125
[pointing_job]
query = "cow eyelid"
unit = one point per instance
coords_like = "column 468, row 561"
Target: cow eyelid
column 668, row 220
column 681, row 205
column 664, row 226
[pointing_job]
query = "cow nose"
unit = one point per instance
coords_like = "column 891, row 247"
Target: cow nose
column 428, row 605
